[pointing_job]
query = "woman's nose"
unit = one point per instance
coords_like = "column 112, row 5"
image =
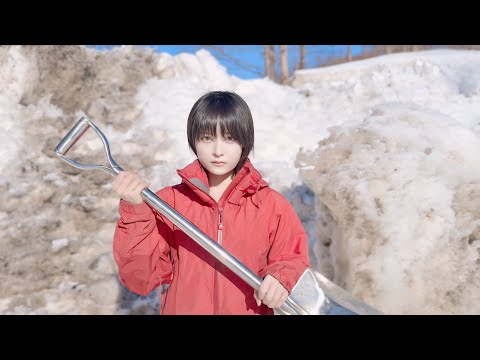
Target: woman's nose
column 217, row 150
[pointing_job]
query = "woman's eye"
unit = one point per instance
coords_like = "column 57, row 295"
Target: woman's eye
column 205, row 138
column 229, row 138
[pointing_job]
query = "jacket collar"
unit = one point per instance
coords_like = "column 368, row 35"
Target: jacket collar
column 247, row 182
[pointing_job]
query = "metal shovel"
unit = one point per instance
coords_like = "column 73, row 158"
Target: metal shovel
column 312, row 295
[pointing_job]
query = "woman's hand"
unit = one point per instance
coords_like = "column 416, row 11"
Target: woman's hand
column 271, row 292
column 129, row 186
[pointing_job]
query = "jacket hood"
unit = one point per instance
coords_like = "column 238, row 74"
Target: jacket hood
column 247, row 182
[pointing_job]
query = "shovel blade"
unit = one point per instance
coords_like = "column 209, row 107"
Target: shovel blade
column 317, row 295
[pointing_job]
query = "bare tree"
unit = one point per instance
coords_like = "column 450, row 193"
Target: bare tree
column 303, row 54
column 269, row 54
column 420, row 47
column 220, row 52
column 284, row 64
column 349, row 53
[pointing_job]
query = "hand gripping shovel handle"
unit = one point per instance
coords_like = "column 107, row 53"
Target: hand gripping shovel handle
column 213, row 248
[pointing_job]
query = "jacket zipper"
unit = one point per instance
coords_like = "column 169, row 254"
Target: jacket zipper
column 217, row 263
column 220, row 226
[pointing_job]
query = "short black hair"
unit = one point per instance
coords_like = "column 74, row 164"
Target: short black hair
column 233, row 114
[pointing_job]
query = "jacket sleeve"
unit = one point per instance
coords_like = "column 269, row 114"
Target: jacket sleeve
column 288, row 254
column 141, row 245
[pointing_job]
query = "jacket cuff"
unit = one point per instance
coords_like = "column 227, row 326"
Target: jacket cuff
column 283, row 280
column 277, row 273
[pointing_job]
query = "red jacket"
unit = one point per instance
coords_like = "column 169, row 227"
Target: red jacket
column 259, row 227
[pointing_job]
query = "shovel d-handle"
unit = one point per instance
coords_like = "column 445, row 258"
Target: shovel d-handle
column 74, row 135
column 213, row 248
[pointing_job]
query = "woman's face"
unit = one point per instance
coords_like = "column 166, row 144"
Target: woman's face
column 218, row 155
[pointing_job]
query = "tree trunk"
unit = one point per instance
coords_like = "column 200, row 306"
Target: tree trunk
column 349, row 53
column 270, row 61
column 303, row 53
column 284, row 64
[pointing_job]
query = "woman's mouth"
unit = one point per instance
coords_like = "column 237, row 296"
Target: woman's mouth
column 218, row 163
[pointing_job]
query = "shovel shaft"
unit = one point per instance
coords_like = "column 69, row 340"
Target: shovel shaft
column 212, row 247
column 202, row 239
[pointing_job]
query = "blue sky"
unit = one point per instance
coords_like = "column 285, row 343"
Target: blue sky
column 247, row 62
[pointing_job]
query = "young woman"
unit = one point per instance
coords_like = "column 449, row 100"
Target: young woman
column 224, row 196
